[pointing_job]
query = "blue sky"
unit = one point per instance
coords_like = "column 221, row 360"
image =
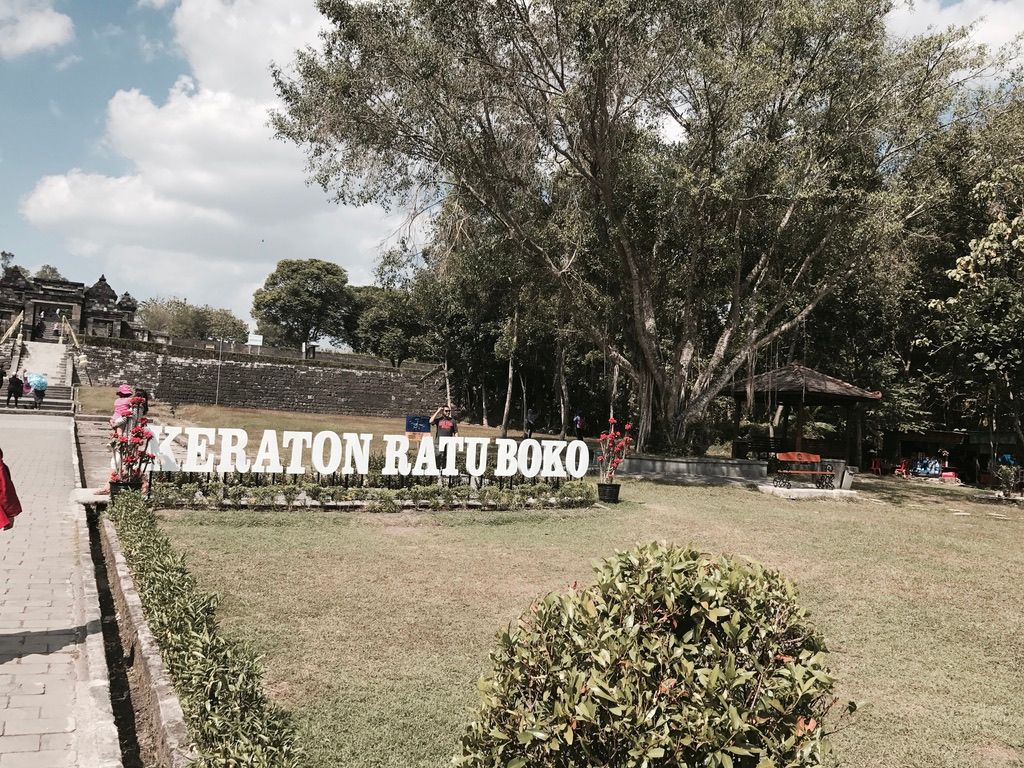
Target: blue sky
column 54, row 104
column 133, row 141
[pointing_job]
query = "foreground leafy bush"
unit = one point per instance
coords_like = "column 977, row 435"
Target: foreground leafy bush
column 218, row 681
column 673, row 658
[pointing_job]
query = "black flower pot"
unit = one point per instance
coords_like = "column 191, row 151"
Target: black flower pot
column 608, row 492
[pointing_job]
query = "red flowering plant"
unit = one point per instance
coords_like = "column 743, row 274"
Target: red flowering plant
column 615, row 445
column 129, row 443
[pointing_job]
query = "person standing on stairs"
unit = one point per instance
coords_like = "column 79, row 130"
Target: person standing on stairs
column 14, row 389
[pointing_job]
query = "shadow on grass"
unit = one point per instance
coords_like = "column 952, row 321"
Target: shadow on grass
column 516, row 517
column 247, row 518
column 900, row 491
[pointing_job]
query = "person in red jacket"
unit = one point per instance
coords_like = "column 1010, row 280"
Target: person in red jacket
column 10, row 507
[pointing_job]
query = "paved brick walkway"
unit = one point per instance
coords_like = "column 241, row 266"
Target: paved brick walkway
column 54, row 696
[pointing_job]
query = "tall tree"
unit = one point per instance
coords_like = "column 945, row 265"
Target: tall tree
column 304, row 300
column 696, row 175
column 389, row 324
column 6, row 259
column 985, row 317
column 49, row 272
column 179, row 319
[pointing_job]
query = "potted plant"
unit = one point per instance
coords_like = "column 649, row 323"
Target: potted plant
column 614, row 447
column 129, row 443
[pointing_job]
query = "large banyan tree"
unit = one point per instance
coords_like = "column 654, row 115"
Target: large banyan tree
column 694, row 176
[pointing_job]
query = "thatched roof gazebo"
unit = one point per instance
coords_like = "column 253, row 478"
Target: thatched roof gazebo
column 797, row 387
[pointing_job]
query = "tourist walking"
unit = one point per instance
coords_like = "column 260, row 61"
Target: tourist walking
column 10, row 506
column 531, row 423
column 145, row 400
column 579, row 424
column 14, row 389
column 36, row 385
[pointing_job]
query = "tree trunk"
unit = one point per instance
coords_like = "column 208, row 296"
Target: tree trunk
column 483, row 405
column 522, row 387
column 615, row 390
column 508, row 397
column 563, row 392
column 447, row 381
column 511, row 373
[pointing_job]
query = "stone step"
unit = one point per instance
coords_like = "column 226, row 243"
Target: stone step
column 43, row 410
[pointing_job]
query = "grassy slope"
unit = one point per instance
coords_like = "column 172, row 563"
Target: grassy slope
column 376, row 628
column 100, row 400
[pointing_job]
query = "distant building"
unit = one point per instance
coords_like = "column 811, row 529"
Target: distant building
column 92, row 311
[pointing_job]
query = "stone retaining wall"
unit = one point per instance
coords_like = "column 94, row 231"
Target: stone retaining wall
column 179, row 378
column 154, row 697
column 708, row 467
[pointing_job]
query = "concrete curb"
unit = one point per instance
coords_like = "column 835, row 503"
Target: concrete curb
column 155, row 695
column 799, row 494
column 101, row 746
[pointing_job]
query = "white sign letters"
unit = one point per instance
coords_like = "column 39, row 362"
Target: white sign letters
column 223, row 450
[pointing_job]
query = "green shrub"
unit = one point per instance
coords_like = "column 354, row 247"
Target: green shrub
column 172, row 495
column 577, row 493
column 230, row 719
column 673, row 658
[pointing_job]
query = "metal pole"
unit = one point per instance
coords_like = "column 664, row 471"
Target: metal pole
column 220, row 360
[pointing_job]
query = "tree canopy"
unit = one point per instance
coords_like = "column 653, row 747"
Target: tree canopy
column 179, row 319
column 304, row 300
column 692, row 179
column 49, row 272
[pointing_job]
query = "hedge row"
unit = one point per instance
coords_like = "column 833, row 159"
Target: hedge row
column 230, row 719
column 214, row 494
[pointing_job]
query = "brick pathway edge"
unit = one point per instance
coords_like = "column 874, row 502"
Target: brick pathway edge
column 98, row 745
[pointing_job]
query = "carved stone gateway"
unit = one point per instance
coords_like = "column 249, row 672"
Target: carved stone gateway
column 93, row 311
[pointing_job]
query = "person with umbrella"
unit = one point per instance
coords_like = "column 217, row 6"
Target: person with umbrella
column 39, row 384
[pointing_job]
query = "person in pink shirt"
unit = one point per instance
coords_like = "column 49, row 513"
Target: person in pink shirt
column 122, row 405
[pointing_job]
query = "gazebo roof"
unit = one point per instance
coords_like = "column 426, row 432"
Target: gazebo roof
column 796, row 384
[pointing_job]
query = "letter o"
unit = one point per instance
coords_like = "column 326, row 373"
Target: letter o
column 577, row 459
column 317, row 452
column 530, row 458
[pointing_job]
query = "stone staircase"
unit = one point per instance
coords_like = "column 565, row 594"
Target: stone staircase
column 50, row 360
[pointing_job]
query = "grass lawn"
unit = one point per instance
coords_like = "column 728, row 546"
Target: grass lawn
column 376, row 627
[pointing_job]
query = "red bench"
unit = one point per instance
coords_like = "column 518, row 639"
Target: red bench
column 799, row 465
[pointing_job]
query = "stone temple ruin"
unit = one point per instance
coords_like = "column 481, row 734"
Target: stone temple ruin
column 92, row 311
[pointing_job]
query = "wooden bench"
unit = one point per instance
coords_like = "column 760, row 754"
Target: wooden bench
column 799, row 465
column 761, row 447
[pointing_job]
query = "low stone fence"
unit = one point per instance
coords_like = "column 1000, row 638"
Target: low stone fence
column 703, row 467
column 153, row 696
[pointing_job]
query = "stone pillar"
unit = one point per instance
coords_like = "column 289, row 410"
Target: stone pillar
column 858, row 448
column 801, row 415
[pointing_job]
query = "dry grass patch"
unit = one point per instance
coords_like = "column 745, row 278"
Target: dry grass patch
column 376, row 627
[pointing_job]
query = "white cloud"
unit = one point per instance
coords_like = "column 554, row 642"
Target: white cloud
column 998, row 21
column 31, row 25
column 212, row 201
column 230, row 44
column 154, row 3
column 151, row 49
column 67, row 62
